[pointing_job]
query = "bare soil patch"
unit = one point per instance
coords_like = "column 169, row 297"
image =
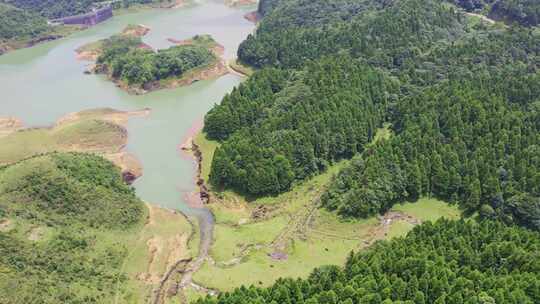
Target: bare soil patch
column 5, row 225
column 36, row 233
column 9, row 125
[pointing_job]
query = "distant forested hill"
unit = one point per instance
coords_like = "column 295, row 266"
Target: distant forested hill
column 447, row 262
column 525, row 12
column 461, row 97
column 64, row 201
column 53, row 9
column 18, row 23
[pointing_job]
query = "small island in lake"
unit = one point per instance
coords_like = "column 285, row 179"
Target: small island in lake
column 97, row 131
column 137, row 68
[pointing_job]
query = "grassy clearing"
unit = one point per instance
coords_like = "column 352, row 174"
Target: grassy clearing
column 328, row 242
column 207, row 147
column 399, row 228
column 88, row 132
column 143, row 265
column 95, row 46
column 248, row 231
column 383, row 133
column 230, row 241
column 429, row 209
column 53, row 33
column 238, row 235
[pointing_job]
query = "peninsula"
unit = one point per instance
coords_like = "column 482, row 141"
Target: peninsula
column 137, row 68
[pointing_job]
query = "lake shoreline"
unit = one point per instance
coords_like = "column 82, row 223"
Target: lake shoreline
column 115, row 151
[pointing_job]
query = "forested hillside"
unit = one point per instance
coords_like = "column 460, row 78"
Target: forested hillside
column 125, row 58
column 470, row 142
column 525, row 12
column 446, row 262
column 65, row 201
column 461, row 98
column 53, row 9
column 16, row 23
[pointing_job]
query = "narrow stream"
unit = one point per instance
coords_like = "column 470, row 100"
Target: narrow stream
column 43, row 83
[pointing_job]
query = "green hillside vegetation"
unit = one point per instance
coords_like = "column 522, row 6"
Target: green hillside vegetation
column 247, row 232
column 461, row 99
column 124, row 60
column 17, row 23
column 53, row 9
column 487, row 263
column 525, row 12
column 92, row 131
column 71, row 231
column 66, row 195
column 69, row 188
column 21, row 28
column 23, row 23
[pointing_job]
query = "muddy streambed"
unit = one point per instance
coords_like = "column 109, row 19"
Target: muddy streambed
column 43, row 83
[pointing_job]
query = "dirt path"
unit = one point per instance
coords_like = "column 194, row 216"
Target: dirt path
column 380, row 232
column 297, row 227
column 166, row 254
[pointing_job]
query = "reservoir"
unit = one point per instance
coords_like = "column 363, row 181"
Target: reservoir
column 43, row 83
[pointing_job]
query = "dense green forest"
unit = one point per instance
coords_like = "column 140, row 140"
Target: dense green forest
column 124, row 59
column 52, row 9
column 449, row 262
column 18, row 24
column 65, row 200
column 463, row 141
column 461, row 98
column 525, row 12
column 294, row 126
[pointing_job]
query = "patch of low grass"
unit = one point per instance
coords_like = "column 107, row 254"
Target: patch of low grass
column 230, row 241
column 192, row 295
column 383, row 133
column 261, row 270
column 429, row 209
column 399, row 228
column 207, row 148
column 95, row 46
column 88, row 133
column 312, row 237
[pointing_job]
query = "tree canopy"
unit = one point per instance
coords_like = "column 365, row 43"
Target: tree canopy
column 125, row 58
column 20, row 24
column 460, row 98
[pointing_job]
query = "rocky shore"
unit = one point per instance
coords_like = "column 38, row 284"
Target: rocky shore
column 203, row 193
